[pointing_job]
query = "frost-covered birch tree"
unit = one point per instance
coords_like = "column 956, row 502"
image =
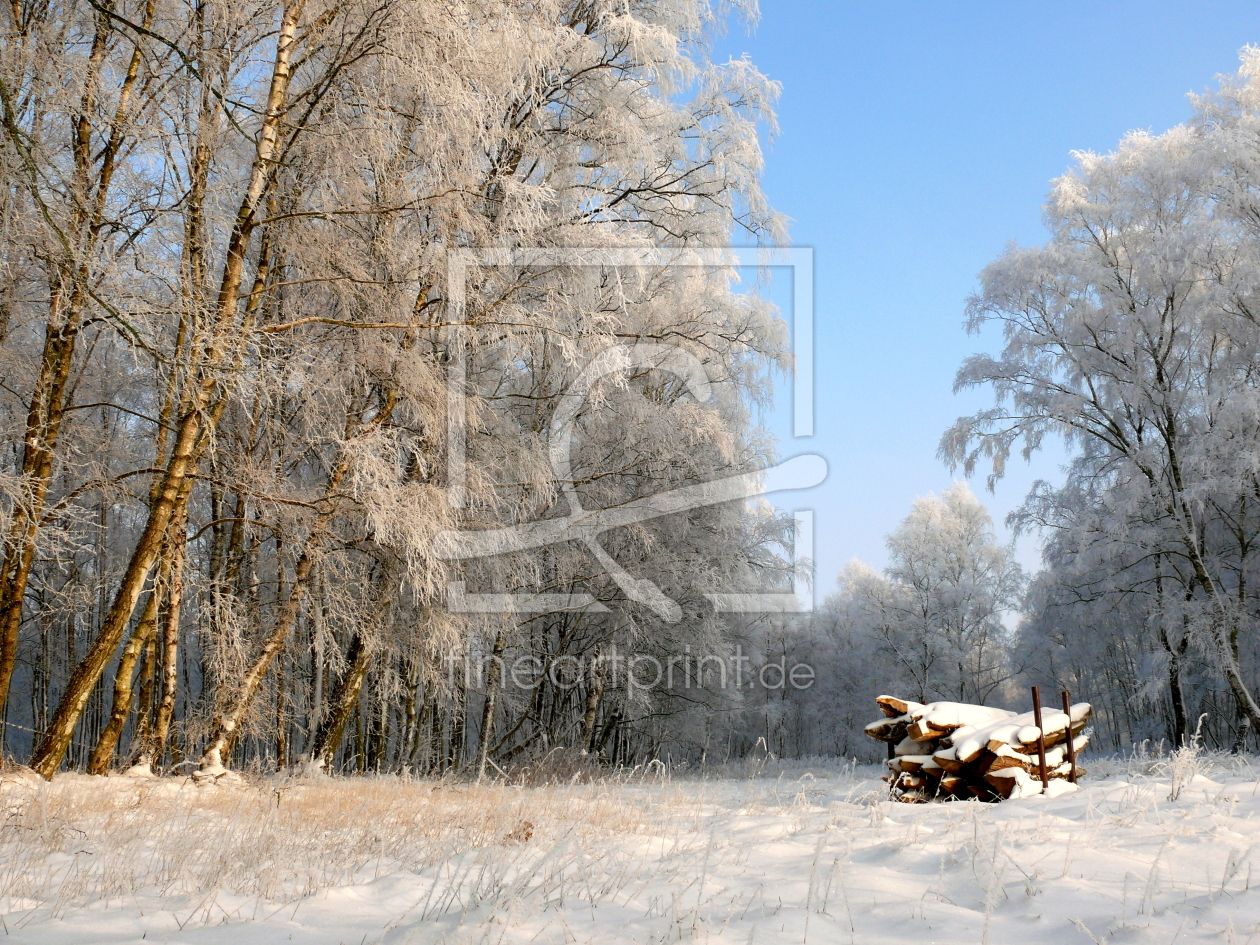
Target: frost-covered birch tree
column 934, row 618
column 1132, row 335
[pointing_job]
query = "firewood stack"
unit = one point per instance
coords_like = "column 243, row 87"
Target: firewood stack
column 954, row 751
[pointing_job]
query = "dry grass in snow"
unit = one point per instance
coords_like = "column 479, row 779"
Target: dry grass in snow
column 793, row 853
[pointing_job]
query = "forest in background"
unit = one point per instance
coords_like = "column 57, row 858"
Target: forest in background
column 229, row 335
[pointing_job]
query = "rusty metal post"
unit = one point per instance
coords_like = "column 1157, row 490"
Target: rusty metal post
column 1071, row 749
column 1041, row 737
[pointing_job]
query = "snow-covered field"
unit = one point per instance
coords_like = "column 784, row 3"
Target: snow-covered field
column 789, row 853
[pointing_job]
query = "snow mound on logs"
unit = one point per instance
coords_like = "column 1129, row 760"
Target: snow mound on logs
column 952, row 750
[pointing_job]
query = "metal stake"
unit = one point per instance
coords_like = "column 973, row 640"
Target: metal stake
column 1071, row 749
column 1041, row 738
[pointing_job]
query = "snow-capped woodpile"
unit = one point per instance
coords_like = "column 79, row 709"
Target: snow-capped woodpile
column 951, row 750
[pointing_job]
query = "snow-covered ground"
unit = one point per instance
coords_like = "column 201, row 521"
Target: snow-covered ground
column 790, row 853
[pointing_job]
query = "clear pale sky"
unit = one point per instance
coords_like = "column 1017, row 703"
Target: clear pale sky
column 917, row 140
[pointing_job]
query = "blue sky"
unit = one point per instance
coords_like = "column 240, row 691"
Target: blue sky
column 917, row 140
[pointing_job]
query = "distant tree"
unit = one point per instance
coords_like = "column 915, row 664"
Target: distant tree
column 936, row 612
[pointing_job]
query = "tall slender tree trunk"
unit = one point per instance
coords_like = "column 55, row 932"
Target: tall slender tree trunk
column 493, row 679
column 144, row 699
column 437, row 744
column 103, row 754
column 43, row 427
column 614, row 719
column 407, row 738
column 1178, row 697
column 459, row 714
column 1176, row 654
column 344, row 701
column 420, row 743
column 153, row 750
column 380, row 716
column 594, row 696
column 360, row 743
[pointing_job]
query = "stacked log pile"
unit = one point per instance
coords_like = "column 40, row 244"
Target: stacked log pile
column 954, row 751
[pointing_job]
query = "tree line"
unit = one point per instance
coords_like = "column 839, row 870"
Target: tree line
column 229, row 337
